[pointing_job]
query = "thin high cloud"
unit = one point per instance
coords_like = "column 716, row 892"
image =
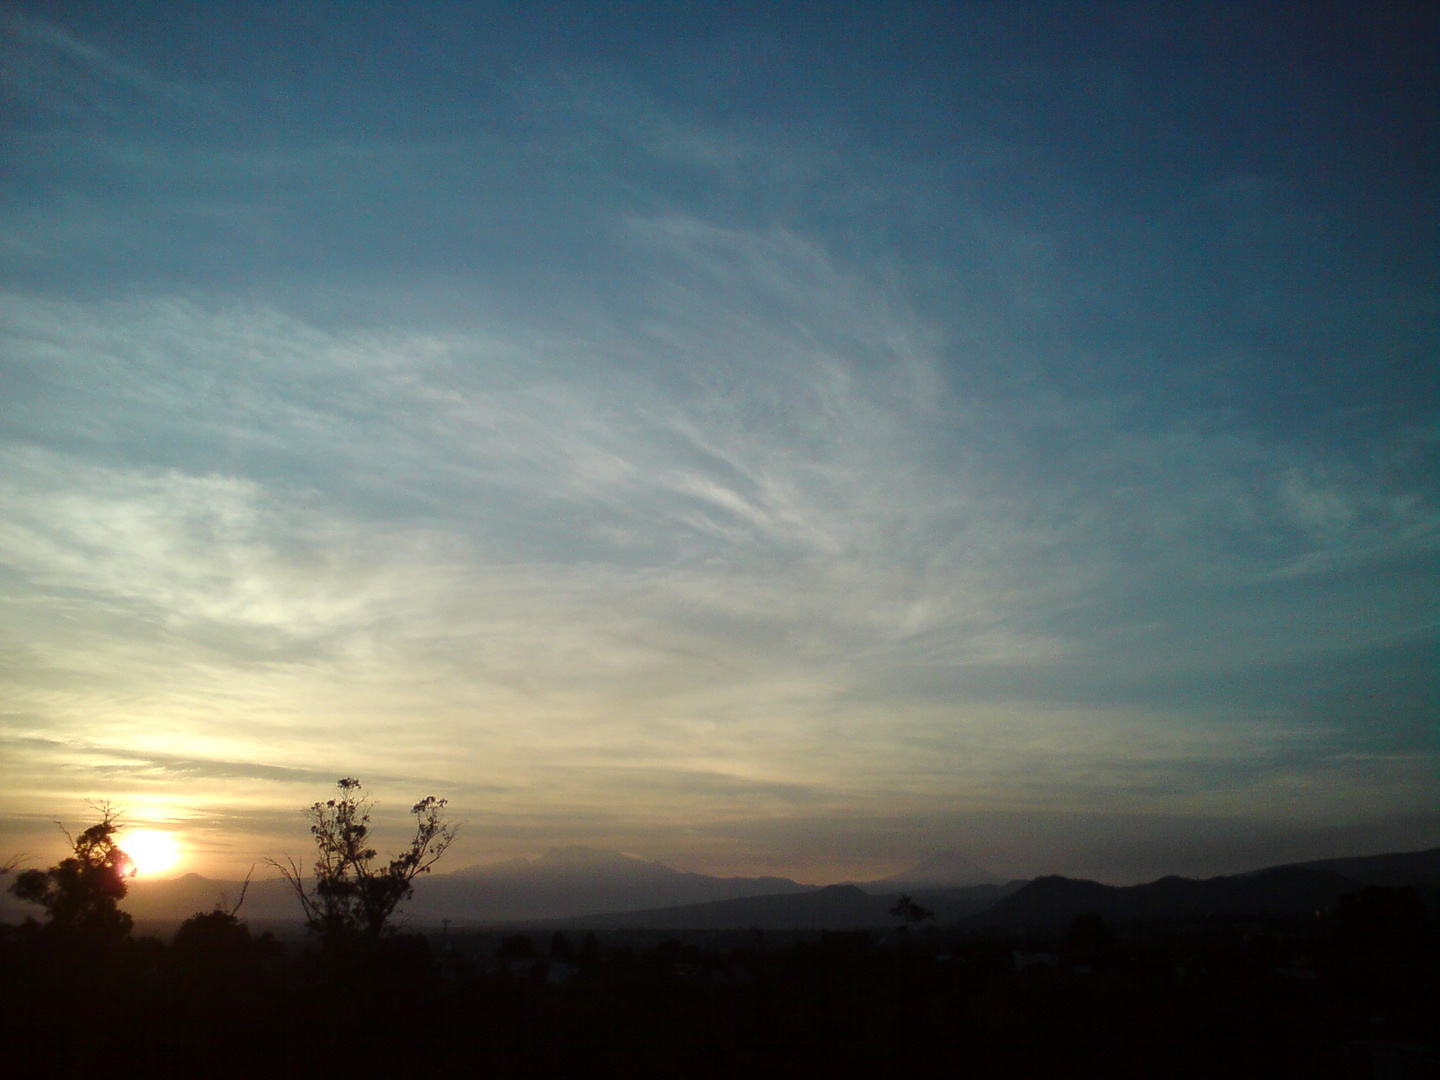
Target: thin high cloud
column 779, row 594
column 60, row 70
column 848, row 485
column 597, row 483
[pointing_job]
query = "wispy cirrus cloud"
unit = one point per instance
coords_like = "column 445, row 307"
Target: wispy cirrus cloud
column 644, row 461
column 59, row 69
column 589, row 570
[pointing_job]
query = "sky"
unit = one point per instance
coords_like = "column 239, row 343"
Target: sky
column 790, row 439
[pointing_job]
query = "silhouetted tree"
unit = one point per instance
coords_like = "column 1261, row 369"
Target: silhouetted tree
column 214, row 935
column 211, row 935
column 81, row 894
column 351, row 896
column 910, row 911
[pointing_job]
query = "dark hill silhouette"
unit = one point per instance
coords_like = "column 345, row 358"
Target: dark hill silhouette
column 1395, row 869
column 835, row 907
column 267, row 900
column 1056, row 901
column 577, row 881
column 947, row 870
column 563, row 883
column 567, row 883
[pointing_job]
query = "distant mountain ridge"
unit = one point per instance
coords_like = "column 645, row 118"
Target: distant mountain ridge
column 1393, row 868
column 570, row 881
column 834, row 907
column 562, row 883
column 610, row 888
column 1297, row 888
column 1055, row 900
column 946, row 870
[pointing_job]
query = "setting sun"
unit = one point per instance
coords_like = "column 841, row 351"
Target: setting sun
column 150, row 850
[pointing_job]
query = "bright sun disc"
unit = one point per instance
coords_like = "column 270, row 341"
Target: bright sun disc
column 150, row 851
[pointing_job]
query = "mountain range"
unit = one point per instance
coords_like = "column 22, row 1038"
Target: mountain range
column 564, row 883
column 572, row 881
column 577, row 885
column 947, row 870
column 1295, row 889
column 835, row 907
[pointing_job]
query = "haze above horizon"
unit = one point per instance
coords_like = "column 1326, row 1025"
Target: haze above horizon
column 766, row 443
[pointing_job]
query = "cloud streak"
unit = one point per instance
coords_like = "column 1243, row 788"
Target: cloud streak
column 583, row 484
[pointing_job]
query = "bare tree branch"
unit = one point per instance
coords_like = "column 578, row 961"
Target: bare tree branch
column 351, row 896
column 244, row 888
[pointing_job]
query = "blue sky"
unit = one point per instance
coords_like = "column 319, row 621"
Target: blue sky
column 788, row 439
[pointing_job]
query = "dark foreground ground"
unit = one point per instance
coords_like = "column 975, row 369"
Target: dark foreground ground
column 1357, row 996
